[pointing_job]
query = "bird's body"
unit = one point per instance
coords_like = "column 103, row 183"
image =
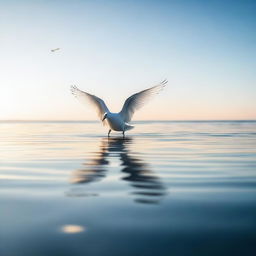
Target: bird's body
column 118, row 121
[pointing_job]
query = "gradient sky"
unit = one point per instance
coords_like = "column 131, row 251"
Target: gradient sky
column 206, row 49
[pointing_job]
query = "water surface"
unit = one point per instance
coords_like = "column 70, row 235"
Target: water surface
column 168, row 188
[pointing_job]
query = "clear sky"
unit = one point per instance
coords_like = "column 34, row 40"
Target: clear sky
column 206, row 49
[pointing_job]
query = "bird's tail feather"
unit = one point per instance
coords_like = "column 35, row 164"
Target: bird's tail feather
column 128, row 126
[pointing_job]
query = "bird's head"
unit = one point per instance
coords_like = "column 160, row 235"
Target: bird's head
column 104, row 117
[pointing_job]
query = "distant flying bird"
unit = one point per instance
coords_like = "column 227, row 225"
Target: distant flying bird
column 118, row 121
column 54, row 50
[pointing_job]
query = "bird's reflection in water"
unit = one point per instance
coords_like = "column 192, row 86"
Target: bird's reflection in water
column 148, row 188
column 94, row 170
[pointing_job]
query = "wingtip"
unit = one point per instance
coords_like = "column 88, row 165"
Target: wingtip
column 73, row 89
column 164, row 82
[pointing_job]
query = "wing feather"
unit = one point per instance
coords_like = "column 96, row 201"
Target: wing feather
column 137, row 100
column 97, row 103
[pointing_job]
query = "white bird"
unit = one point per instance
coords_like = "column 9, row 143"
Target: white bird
column 118, row 121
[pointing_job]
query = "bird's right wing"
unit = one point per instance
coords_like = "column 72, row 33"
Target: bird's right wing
column 95, row 101
column 137, row 100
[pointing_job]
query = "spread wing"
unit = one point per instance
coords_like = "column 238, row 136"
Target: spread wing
column 97, row 103
column 137, row 100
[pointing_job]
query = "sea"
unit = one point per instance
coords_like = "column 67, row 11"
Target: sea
column 168, row 188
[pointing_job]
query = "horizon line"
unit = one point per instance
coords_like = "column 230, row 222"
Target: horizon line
column 148, row 120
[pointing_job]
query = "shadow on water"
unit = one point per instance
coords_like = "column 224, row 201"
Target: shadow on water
column 147, row 187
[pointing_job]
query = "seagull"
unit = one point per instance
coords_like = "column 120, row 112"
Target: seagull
column 54, row 50
column 118, row 121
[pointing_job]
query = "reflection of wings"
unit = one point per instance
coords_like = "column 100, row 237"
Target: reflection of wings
column 92, row 171
column 146, row 185
column 97, row 103
column 137, row 100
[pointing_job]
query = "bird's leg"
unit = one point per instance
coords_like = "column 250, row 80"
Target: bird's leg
column 109, row 132
column 123, row 135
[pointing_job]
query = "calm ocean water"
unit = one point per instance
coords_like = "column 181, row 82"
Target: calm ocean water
column 169, row 188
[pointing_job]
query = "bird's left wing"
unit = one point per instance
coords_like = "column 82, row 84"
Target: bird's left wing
column 95, row 101
column 137, row 100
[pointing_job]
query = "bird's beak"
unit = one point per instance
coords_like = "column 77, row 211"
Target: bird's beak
column 104, row 118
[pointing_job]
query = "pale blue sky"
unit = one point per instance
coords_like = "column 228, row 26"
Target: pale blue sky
column 206, row 49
